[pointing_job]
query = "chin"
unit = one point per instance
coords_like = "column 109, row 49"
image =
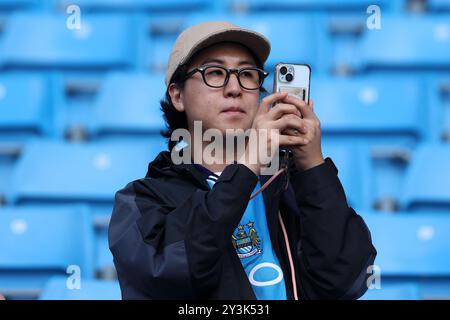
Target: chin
column 235, row 126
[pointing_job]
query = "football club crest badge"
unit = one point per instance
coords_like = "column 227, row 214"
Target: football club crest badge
column 246, row 241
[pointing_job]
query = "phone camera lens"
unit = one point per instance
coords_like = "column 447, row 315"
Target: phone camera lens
column 283, row 70
column 289, row 77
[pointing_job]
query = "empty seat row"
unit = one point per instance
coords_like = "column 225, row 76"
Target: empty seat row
column 372, row 107
column 79, row 172
column 115, row 40
column 61, row 172
column 100, row 41
column 41, row 242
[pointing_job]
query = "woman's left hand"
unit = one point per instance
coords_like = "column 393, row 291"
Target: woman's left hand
column 309, row 153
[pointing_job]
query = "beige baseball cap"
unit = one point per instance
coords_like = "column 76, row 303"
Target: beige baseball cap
column 206, row 34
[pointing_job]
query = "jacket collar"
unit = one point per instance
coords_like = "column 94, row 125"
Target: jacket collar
column 162, row 165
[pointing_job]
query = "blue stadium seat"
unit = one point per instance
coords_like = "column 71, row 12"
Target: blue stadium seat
column 66, row 172
column 343, row 34
column 24, row 104
column 139, row 5
column 373, row 106
column 103, row 41
column 411, row 245
column 158, row 48
column 386, row 113
column 293, row 37
column 427, row 182
column 74, row 94
column 352, row 162
column 37, row 242
column 414, row 41
column 90, row 289
column 129, row 103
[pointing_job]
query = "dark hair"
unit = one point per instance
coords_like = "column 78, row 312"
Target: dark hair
column 175, row 119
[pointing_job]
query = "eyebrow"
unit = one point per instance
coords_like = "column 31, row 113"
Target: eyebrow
column 220, row 61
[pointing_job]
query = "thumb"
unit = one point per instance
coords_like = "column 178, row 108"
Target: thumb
column 270, row 99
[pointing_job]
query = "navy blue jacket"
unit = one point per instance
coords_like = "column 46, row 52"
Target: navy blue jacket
column 170, row 234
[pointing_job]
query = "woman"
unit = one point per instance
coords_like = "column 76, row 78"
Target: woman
column 190, row 230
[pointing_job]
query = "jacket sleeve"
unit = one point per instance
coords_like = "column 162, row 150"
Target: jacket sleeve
column 167, row 251
column 335, row 247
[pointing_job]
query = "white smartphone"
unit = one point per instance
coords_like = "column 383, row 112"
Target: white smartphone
column 294, row 79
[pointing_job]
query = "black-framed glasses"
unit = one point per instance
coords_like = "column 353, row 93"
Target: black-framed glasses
column 217, row 76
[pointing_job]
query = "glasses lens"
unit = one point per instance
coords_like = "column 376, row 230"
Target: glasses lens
column 215, row 76
column 250, row 78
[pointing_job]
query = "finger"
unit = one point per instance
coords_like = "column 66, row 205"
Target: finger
column 305, row 110
column 270, row 99
column 283, row 109
column 311, row 104
column 285, row 140
column 291, row 132
column 289, row 121
column 295, row 132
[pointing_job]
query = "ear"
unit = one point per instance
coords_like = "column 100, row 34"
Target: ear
column 176, row 95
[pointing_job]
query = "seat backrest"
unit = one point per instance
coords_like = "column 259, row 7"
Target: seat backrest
column 369, row 105
column 19, row 112
column 413, row 41
column 352, row 162
column 427, row 181
column 102, row 41
column 130, row 103
column 55, row 172
column 39, row 238
column 411, row 244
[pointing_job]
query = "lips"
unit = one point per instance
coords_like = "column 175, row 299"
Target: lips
column 233, row 110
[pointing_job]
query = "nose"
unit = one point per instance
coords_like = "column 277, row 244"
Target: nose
column 232, row 89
